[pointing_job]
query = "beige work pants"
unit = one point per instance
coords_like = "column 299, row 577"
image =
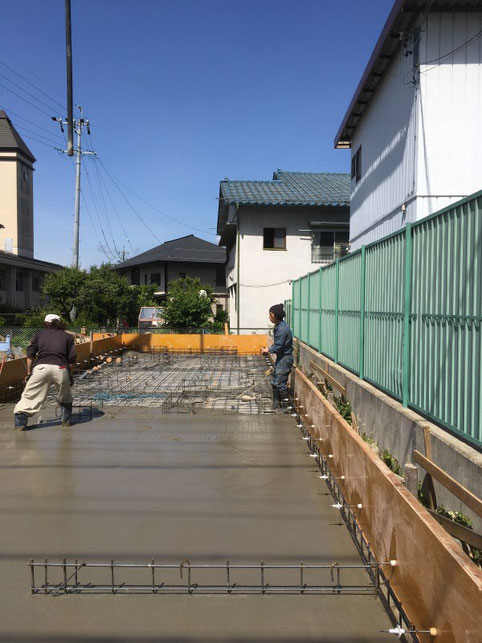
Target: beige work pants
column 38, row 385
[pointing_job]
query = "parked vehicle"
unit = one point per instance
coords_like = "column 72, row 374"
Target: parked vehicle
column 150, row 317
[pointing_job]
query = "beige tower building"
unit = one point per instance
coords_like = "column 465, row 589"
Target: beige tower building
column 20, row 274
column 16, row 191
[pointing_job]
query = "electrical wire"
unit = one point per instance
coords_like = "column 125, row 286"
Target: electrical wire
column 44, row 129
column 29, row 131
column 25, row 100
column 129, row 203
column 26, row 92
column 101, row 192
column 113, row 205
column 33, row 85
column 454, row 51
column 279, row 283
column 167, row 216
column 32, row 73
column 33, row 138
column 97, row 210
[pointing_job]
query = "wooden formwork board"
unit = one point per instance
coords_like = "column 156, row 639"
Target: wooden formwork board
column 438, row 585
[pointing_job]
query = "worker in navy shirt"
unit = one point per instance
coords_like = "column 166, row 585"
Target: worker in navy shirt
column 282, row 347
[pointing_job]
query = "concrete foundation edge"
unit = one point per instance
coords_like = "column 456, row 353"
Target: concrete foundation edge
column 400, row 431
column 437, row 584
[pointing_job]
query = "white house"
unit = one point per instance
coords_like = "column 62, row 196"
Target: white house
column 414, row 123
column 275, row 231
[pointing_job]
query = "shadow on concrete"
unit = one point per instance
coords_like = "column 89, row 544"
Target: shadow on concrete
column 78, row 417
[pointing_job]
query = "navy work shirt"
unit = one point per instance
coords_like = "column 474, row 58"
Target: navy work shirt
column 283, row 340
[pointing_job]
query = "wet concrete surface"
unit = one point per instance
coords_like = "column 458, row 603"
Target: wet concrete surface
column 133, row 484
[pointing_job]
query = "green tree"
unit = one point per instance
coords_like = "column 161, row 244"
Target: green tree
column 188, row 304
column 105, row 296
column 63, row 288
column 99, row 296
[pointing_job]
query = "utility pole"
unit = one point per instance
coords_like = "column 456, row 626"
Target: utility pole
column 78, row 125
column 68, row 55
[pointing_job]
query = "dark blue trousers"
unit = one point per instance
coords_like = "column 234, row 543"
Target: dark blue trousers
column 282, row 369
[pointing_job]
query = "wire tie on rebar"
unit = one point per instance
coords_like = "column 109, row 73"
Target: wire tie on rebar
column 400, row 631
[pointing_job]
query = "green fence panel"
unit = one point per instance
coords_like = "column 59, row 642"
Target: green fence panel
column 304, row 299
column 295, row 308
column 384, row 313
column 349, row 302
column 328, row 311
column 446, row 320
column 315, row 305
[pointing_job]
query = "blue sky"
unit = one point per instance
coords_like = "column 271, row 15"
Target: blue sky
column 180, row 94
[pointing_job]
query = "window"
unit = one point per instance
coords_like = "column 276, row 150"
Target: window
column 19, row 281
column 145, row 279
column 356, row 165
column 135, row 277
column 156, row 278
column 36, row 283
column 182, row 275
column 2, row 279
column 274, row 238
column 220, row 276
column 327, row 245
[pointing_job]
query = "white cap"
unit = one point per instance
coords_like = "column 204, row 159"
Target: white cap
column 50, row 318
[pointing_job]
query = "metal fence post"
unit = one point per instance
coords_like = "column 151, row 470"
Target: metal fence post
column 337, row 288
column 320, row 310
column 308, row 306
column 362, row 312
column 406, row 314
column 300, row 314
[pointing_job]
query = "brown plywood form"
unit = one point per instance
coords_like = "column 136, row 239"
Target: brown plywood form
column 437, row 584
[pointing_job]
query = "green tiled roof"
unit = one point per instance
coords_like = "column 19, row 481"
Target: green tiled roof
column 290, row 188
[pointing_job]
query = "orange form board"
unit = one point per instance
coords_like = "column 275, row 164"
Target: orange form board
column 438, row 585
column 245, row 344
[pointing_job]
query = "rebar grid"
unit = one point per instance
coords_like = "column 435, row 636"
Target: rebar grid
column 181, row 382
column 69, row 581
column 390, row 602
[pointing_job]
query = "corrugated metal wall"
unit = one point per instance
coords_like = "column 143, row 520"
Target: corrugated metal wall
column 405, row 313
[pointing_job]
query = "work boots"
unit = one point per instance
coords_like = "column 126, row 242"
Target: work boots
column 66, row 414
column 21, row 421
column 276, row 399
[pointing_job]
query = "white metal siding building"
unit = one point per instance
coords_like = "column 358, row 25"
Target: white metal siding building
column 415, row 118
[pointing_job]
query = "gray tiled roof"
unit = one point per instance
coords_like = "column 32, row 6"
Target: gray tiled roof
column 290, row 188
column 189, row 249
column 10, row 139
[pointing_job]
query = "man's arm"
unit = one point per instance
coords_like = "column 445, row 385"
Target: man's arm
column 32, row 350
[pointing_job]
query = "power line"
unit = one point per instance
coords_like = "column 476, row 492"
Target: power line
column 114, row 208
column 25, row 129
column 167, row 216
column 33, row 138
column 31, row 122
column 33, row 85
column 97, row 210
column 25, row 100
column 26, row 92
column 32, row 73
column 129, row 203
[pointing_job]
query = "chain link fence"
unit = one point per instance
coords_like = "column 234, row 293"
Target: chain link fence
column 21, row 336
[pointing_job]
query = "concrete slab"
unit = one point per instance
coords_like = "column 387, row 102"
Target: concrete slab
column 135, row 484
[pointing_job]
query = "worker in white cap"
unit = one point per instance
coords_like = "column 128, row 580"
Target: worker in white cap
column 50, row 357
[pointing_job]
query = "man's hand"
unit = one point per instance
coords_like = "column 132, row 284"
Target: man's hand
column 264, row 350
column 27, row 377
